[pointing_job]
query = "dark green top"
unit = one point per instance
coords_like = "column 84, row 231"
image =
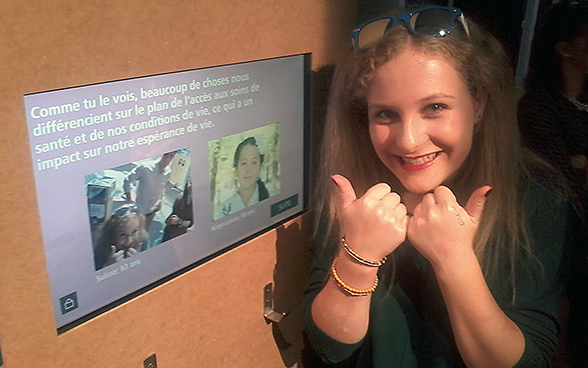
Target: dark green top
column 409, row 325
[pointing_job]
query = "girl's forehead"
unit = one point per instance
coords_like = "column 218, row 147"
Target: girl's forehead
column 250, row 148
column 414, row 56
column 131, row 219
column 418, row 70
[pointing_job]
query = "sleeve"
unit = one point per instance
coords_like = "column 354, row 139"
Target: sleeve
column 175, row 210
column 329, row 349
column 133, row 176
column 189, row 213
column 540, row 280
column 183, row 211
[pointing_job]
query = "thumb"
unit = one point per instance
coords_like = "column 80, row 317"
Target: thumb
column 346, row 191
column 476, row 203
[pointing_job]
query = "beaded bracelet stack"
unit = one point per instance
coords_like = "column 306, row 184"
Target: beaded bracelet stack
column 359, row 258
column 349, row 289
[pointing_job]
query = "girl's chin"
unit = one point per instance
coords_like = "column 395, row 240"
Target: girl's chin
column 419, row 188
column 421, row 191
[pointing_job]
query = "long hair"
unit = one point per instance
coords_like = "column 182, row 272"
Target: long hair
column 495, row 159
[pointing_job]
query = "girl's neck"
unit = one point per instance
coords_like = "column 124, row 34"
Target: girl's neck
column 246, row 194
column 411, row 200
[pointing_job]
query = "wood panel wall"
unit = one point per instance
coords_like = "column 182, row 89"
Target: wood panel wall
column 212, row 315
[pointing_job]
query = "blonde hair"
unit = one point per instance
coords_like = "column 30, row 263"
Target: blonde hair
column 109, row 230
column 496, row 157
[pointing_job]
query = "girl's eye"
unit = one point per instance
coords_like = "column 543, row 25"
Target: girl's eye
column 385, row 116
column 435, row 108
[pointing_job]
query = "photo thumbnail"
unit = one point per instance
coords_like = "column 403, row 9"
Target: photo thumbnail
column 139, row 205
column 244, row 169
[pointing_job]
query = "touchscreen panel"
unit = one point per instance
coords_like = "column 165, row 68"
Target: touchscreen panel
column 139, row 180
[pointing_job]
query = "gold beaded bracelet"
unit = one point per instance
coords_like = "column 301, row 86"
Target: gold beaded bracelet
column 351, row 290
column 359, row 258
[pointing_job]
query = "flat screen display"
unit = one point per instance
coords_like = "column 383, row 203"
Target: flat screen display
column 142, row 179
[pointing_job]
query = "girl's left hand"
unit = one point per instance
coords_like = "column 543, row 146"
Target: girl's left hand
column 443, row 231
column 130, row 252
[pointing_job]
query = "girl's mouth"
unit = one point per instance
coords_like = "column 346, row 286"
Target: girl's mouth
column 417, row 163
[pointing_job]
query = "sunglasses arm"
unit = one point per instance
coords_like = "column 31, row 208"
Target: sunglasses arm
column 463, row 21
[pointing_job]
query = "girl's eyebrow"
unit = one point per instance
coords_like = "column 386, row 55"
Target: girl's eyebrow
column 379, row 105
column 431, row 97
column 436, row 96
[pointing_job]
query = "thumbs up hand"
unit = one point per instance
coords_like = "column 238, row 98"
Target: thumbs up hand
column 443, row 231
column 375, row 224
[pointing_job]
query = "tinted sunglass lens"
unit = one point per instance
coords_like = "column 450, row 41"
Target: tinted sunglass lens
column 372, row 32
column 432, row 22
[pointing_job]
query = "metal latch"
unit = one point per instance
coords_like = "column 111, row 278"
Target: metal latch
column 269, row 313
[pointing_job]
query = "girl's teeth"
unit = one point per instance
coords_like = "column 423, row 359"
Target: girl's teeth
column 419, row 160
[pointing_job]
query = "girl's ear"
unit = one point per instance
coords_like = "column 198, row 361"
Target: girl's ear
column 563, row 49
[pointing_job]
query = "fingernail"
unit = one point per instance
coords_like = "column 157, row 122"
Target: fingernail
column 488, row 193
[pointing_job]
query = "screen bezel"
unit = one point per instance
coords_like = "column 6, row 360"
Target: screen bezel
column 305, row 152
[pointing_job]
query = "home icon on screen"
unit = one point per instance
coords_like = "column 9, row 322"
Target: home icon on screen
column 68, row 302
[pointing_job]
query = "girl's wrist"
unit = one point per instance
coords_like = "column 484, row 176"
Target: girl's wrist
column 355, row 274
column 446, row 269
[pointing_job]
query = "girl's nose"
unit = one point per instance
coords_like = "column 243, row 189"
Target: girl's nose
column 126, row 240
column 410, row 134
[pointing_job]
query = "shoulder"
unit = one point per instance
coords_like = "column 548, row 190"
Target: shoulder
column 540, row 101
column 543, row 189
column 231, row 204
column 544, row 201
column 537, row 106
column 142, row 167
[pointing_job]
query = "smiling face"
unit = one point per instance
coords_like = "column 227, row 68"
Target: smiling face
column 128, row 234
column 421, row 119
column 248, row 166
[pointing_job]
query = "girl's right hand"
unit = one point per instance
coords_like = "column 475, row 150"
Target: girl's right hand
column 374, row 225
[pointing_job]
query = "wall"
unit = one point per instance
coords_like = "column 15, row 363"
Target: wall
column 212, row 315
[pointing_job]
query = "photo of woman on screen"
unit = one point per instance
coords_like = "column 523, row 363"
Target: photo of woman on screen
column 250, row 189
column 245, row 169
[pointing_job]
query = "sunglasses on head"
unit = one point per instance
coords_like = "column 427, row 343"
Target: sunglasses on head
column 123, row 210
column 437, row 21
